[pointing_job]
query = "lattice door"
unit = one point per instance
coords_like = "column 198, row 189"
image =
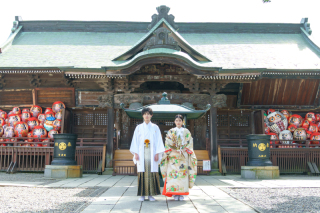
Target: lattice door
column 90, row 124
column 233, row 125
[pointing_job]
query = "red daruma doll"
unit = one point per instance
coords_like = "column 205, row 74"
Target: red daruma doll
column 35, row 111
column 21, row 129
column 52, row 132
column 13, row 119
column 1, row 131
column 309, row 134
column 291, row 128
column 59, row 115
column 39, row 132
column 295, row 120
column 48, row 110
column 32, row 122
column 49, row 114
column 57, row 124
column 317, row 117
column 313, row 128
column 25, row 116
column 2, row 121
column 16, row 110
column 285, row 113
column 315, row 138
column 58, row 106
column 306, row 124
column 3, row 114
column 42, row 119
column 25, row 110
column 274, row 136
column 310, row 116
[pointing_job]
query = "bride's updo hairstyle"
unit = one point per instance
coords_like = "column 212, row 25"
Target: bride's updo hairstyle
column 179, row 116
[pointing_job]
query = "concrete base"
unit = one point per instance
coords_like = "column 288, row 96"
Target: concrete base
column 260, row 172
column 53, row 171
column 108, row 171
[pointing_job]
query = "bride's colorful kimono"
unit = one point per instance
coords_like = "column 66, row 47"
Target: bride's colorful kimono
column 179, row 163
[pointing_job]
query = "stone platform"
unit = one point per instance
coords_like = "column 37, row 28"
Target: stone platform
column 57, row 171
column 260, row 172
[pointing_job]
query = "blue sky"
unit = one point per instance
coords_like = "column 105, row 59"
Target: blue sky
column 281, row 11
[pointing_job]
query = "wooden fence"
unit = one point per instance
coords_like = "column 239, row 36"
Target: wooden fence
column 36, row 158
column 289, row 160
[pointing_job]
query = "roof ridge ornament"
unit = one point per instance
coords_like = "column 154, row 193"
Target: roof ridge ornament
column 161, row 39
column 306, row 25
column 163, row 11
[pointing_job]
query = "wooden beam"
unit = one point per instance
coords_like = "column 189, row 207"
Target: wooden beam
column 109, row 156
column 213, row 139
column 316, row 100
column 240, row 95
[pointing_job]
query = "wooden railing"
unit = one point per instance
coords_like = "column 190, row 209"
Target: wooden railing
column 35, row 158
column 275, row 143
column 233, row 142
column 289, row 160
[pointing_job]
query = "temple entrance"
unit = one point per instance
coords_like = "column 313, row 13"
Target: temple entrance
column 161, row 86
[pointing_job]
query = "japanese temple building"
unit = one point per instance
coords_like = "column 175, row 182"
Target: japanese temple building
column 94, row 66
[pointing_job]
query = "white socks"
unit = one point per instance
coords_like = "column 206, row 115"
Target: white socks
column 178, row 197
column 149, row 197
column 141, row 198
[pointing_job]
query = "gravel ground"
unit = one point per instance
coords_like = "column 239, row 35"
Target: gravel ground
column 26, row 177
column 38, row 199
column 268, row 200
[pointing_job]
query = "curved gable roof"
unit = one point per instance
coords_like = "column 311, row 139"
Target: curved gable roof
column 177, row 37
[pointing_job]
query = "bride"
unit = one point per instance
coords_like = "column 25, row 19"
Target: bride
column 179, row 163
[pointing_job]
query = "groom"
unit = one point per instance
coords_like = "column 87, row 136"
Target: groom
column 147, row 148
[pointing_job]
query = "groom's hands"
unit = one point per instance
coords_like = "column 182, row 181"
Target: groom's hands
column 156, row 157
column 136, row 156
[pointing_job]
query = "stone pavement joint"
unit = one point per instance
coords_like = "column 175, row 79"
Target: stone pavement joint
column 208, row 195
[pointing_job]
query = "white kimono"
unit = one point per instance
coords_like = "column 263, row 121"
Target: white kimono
column 147, row 131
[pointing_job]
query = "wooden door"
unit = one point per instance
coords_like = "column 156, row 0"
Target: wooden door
column 90, row 124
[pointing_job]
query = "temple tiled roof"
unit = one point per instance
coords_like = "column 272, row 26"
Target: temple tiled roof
column 242, row 49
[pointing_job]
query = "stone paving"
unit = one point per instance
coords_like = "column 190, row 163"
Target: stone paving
column 206, row 196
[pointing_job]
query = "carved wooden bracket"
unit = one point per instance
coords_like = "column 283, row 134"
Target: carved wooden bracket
column 105, row 101
column 2, row 83
column 34, row 80
column 67, row 81
column 107, row 84
column 201, row 100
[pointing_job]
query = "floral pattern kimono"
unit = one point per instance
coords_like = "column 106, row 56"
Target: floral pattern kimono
column 179, row 163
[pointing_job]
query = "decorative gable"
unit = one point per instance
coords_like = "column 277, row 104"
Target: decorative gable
column 162, row 39
column 162, row 35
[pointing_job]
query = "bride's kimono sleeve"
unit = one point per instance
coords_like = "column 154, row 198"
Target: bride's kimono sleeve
column 192, row 161
column 165, row 159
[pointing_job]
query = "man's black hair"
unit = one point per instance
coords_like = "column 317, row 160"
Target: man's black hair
column 145, row 110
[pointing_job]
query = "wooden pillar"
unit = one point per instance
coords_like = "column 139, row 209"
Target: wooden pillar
column 109, row 156
column 213, row 139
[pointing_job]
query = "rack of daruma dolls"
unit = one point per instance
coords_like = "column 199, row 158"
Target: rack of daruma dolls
column 33, row 126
